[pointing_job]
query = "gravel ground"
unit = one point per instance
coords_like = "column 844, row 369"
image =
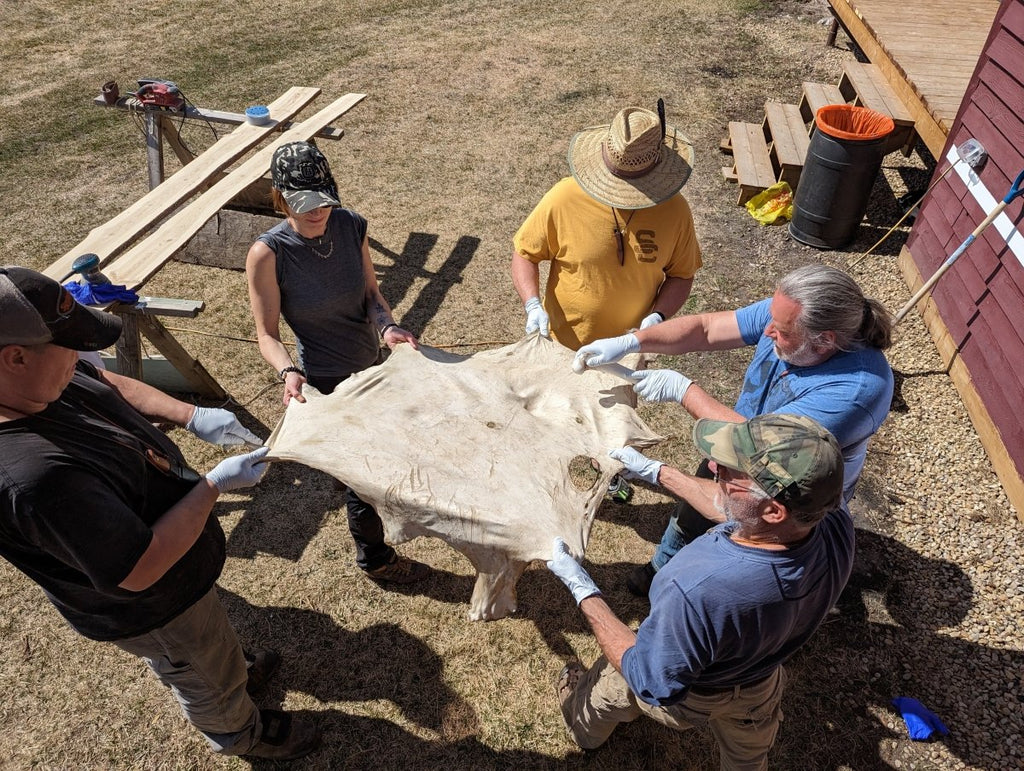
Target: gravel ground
column 935, row 608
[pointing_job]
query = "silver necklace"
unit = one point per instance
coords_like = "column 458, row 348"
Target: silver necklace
column 317, row 252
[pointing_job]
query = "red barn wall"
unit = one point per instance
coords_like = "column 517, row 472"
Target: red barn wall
column 976, row 310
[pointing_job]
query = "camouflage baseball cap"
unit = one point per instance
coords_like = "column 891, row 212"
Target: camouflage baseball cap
column 791, row 457
column 301, row 172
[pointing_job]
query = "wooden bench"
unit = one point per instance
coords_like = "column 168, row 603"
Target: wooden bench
column 134, row 266
column 786, row 132
column 863, row 84
column 752, row 166
column 814, row 96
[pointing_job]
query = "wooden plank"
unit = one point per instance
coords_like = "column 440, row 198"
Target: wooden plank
column 789, row 141
column 753, row 166
column 213, row 116
column 192, row 370
column 863, row 84
column 113, row 236
column 814, row 96
column 1004, row 464
column 138, row 264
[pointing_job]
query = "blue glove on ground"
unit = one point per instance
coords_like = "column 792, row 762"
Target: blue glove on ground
column 638, row 465
column 218, row 426
column 101, row 294
column 661, row 385
column 537, row 318
column 921, row 721
column 604, row 351
column 571, row 572
column 239, row 471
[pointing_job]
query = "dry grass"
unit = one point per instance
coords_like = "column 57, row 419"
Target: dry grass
column 470, row 108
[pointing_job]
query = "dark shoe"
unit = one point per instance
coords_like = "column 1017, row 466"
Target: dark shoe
column 400, row 570
column 261, row 664
column 567, row 679
column 285, row 737
column 639, row 580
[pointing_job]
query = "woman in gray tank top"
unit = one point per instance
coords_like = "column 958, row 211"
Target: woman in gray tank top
column 314, row 270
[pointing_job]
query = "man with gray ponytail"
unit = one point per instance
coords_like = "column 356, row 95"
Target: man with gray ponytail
column 819, row 346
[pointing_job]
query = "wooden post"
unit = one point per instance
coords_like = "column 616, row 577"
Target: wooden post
column 154, row 147
column 129, row 347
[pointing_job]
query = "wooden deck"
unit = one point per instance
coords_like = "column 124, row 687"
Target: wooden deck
column 927, row 50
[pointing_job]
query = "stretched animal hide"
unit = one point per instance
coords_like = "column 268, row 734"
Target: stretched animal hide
column 491, row 452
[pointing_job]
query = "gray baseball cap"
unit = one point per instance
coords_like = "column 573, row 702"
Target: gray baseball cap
column 36, row 309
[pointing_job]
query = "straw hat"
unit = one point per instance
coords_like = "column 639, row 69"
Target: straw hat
column 634, row 163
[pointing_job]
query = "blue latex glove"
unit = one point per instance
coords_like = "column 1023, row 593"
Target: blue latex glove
column 604, row 351
column 537, row 318
column 239, row 471
column 921, row 721
column 101, row 294
column 651, row 319
column 571, row 573
column 661, row 385
column 638, row 465
column 218, row 426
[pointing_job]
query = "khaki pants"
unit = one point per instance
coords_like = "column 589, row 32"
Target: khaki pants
column 198, row 656
column 744, row 720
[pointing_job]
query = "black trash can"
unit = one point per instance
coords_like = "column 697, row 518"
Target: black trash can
column 843, row 159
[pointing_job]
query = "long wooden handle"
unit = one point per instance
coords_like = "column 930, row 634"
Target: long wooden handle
column 950, row 260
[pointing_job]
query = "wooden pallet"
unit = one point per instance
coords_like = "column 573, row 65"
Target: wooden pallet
column 786, row 132
column 863, row 84
column 752, row 166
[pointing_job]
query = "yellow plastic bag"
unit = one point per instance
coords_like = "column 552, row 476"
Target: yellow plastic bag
column 772, row 203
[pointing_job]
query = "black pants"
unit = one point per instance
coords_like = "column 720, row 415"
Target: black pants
column 363, row 521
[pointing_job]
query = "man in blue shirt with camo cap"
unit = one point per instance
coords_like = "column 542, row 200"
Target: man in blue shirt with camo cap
column 734, row 604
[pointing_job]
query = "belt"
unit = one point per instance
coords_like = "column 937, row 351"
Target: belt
column 715, row 690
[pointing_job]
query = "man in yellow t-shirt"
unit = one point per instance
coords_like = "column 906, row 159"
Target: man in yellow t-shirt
column 617, row 233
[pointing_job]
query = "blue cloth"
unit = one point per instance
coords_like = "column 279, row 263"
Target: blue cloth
column 723, row 614
column 849, row 394
column 101, row 294
column 921, row 721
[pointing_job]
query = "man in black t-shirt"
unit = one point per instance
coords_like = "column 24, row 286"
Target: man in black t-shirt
column 101, row 510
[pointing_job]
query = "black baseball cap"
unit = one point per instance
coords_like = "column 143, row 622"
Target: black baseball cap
column 36, row 309
column 301, row 172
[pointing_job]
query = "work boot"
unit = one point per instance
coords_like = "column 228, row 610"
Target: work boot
column 639, row 580
column 399, row 570
column 261, row 664
column 284, row 736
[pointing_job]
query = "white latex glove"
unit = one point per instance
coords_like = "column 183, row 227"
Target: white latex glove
column 571, row 572
column 537, row 317
column 604, row 351
column 239, row 471
column 651, row 319
column 661, row 385
column 218, row 426
column 638, row 465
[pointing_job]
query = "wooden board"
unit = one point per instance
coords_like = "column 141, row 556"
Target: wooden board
column 138, row 264
column 789, row 141
column 752, row 166
column 925, row 49
column 113, row 236
column 814, row 96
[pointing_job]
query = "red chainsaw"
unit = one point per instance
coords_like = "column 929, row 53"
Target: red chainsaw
column 153, row 92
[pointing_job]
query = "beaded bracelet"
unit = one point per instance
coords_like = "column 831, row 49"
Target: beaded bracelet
column 386, row 327
column 284, row 373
